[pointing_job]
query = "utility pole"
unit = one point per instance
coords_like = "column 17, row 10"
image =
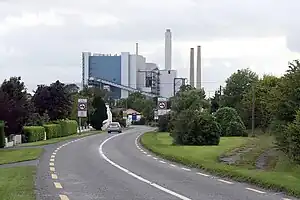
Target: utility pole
column 253, row 110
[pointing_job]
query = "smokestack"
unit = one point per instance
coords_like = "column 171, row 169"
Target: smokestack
column 136, row 48
column 192, row 70
column 168, row 49
column 198, row 67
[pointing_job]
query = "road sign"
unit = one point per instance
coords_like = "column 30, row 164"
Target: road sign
column 133, row 117
column 162, row 105
column 82, row 107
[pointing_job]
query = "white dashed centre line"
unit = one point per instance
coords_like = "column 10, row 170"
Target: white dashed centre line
column 172, row 165
column 155, row 158
column 162, row 161
column 254, row 190
column 63, row 197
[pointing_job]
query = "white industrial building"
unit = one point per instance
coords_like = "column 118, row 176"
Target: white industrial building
column 126, row 73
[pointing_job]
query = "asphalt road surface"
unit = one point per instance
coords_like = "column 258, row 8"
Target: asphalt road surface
column 115, row 167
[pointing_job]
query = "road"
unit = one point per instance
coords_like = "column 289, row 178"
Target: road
column 115, row 167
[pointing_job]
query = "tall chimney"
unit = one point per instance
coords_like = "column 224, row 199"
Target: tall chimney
column 168, row 49
column 198, row 67
column 192, row 70
column 136, row 48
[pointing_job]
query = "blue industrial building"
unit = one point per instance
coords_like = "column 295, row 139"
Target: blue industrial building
column 107, row 68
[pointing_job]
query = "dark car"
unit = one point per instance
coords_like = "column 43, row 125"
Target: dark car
column 114, row 127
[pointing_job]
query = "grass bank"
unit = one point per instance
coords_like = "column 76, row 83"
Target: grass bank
column 56, row 140
column 285, row 176
column 18, row 155
column 17, row 183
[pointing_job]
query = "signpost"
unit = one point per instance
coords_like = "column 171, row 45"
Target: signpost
column 82, row 110
column 161, row 106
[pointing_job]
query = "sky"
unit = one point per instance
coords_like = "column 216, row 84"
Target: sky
column 42, row 41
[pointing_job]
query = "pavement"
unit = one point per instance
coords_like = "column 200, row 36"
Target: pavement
column 116, row 167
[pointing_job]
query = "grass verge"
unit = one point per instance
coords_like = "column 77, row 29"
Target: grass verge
column 56, row 140
column 18, row 155
column 206, row 158
column 17, row 183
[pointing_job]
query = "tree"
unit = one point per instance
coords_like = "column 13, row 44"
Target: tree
column 189, row 99
column 193, row 127
column 215, row 102
column 238, row 84
column 99, row 114
column 14, row 105
column 53, row 99
column 264, row 101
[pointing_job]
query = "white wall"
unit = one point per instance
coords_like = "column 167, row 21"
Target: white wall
column 124, row 73
column 167, row 82
column 141, row 76
column 136, row 62
column 151, row 66
column 85, row 68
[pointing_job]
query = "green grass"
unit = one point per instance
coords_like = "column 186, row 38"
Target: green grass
column 17, row 183
column 285, row 176
column 18, row 155
column 56, row 140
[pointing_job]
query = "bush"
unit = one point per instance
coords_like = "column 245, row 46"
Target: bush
column 2, row 135
column 52, row 130
column 153, row 124
column 142, row 121
column 195, row 128
column 227, row 116
column 288, row 141
column 235, row 129
column 68, row 127
column 163, row 123
column 34, row 133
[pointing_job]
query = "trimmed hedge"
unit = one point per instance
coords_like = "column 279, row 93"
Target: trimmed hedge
column 2, row 135
column 68, row 127
column 52, row 130
column 34, row 133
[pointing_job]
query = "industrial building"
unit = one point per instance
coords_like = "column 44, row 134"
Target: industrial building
column 126, row 73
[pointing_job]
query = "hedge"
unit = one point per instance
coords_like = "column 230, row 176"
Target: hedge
column 68, row 127
column 2, row 135
column 34, row 133
column 52, row 130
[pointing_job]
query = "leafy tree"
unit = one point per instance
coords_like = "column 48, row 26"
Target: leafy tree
column 230, row 121
column 53, row 99
column 164, row 123
column 100, row 113
column 264, row 100
column 193, row 127
column 189, row 99
column 14, row 105
column 215, row 102
column 237, row 85
column 2, row 135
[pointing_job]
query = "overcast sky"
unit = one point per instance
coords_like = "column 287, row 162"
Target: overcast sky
column 42, row 40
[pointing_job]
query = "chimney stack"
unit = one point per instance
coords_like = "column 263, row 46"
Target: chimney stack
column 136, row 48
column 192, row 70
column 168, row 49
column 198, row 67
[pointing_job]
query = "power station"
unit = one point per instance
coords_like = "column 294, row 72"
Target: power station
column 124, row 73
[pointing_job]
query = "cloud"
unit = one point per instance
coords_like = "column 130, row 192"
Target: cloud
column 43, row 40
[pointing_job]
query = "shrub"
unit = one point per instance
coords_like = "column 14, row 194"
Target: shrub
column 34, row 133
column 195, row 128
column 163, row 123
column 288, row 141
column 235, row 128
column 142, row 121
column 2, row 135
column 227, row 116
column 68, row 127
column 52, row 130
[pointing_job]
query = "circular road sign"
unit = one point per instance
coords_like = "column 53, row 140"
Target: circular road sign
column 82, row 106
column 162, row 105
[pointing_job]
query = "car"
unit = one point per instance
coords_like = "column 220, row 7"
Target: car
column 114, row 127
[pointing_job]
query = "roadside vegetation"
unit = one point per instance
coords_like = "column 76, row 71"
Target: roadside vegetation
column 215, row 134
column 19, row 155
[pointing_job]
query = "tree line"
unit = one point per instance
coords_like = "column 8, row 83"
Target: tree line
column 270, row 104
column 48, row 104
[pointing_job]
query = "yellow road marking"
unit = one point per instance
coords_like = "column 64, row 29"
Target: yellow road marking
column 51, row 160
column 51, row 164
column 54, row 176
column 52, row 169
column 53, row 156
column 63, row 197
column 57, row 185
